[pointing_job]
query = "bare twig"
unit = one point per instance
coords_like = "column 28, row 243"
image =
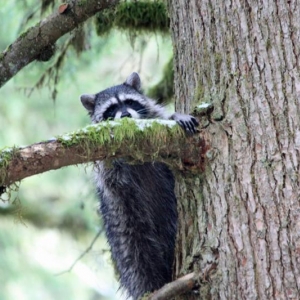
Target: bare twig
column 87, row 250
column 183, row 284
column 175, row 288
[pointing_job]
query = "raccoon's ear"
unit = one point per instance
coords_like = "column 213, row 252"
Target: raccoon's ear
column 134, row 81
column 88, row 101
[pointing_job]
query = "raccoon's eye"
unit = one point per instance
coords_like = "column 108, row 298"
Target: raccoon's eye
column 135, row 105
column 130, row 102
column 110, row 112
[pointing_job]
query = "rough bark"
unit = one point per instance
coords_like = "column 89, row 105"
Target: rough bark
column 244, row 211
column 136, row 144
column 40, row 37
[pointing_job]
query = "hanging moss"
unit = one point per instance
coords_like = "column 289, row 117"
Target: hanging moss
column 163, row 92
column 104, row 21
column 136, row 16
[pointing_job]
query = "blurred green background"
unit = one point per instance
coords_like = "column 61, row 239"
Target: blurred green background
column 52, row 218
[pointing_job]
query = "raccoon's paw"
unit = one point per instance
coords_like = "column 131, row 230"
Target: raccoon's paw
column 187, row 122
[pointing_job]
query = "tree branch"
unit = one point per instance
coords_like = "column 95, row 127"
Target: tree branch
column 137, row 140
column 31, row 44
column 183, row 284
column 175, row 288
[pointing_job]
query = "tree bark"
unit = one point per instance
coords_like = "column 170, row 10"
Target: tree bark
column 244, row 212
column 43, row 35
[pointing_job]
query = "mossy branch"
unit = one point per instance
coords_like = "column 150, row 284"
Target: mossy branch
column 134, row 16
column 37, row 39
column 136, row 140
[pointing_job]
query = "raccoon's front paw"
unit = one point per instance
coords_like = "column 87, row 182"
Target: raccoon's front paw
column 187, row 122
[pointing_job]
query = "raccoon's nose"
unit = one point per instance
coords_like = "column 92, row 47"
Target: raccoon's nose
column 126, row 114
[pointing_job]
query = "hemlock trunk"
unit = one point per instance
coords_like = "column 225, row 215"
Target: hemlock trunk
column 243, row 212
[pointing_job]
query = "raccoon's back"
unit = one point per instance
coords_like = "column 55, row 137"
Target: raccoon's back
column 138, row 205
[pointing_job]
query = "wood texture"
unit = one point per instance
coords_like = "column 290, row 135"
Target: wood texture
column 244, row 212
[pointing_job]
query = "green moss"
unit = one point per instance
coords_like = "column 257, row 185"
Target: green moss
column 127, row 130
column 140, row 137
column 163, row 92
column 218, row 60
column 136, row 16
column 82, row 2
column 104, row 21
column 199, row 93
column 22, row 35
column 218, row 65
column 228, row 62
column 268, row 44
column 96, row 136
column 6, row 156
column 25, row 33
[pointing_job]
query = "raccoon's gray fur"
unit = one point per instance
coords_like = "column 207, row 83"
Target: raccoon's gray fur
column 137, row 202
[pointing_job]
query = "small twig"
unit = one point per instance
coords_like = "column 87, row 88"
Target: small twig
column 82, row 254
column 182, row 285
column 175, row 288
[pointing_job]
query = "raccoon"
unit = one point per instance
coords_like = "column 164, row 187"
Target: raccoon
column 137, row 202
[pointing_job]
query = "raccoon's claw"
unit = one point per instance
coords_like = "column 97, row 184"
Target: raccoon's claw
column 187, row 122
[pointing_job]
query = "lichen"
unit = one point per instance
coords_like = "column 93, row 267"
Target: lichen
column 203, row 108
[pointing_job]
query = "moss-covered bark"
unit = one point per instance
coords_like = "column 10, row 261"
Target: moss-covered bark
column 136, row 140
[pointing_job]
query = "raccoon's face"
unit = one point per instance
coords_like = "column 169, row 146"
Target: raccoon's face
column 121, row 101
column 120, row 106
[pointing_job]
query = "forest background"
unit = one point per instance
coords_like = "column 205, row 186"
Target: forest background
column 52, row 218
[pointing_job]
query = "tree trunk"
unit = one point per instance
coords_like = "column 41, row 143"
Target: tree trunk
column 243, row 212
